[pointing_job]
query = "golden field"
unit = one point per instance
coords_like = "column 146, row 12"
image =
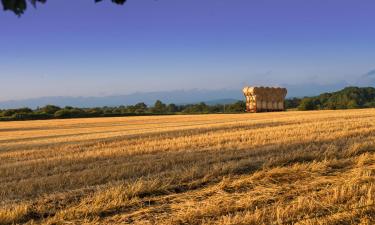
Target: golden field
column 269, row 168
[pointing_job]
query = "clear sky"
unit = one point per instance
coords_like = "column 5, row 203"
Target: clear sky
column 78, row 48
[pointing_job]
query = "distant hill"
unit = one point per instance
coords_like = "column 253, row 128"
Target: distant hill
column 222, row 101
column 177, row 97
column 347, row 98
column 210, row 97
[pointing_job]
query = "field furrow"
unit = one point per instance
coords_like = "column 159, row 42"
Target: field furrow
column 270, row 168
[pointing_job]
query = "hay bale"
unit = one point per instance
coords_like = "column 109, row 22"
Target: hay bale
column 260, row 99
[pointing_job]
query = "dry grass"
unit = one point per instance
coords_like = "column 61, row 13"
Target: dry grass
column 271, row 168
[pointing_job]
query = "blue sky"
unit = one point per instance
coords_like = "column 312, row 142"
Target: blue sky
column 78, row 48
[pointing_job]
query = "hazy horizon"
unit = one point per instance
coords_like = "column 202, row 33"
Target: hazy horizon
column 150, row 46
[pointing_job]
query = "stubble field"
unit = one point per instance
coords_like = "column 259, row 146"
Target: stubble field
column 269, row 168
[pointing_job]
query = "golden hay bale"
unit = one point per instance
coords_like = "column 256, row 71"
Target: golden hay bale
column 265, row 98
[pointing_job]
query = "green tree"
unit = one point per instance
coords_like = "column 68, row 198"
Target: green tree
column 197, row 108
column 95, row 111
column 19, row 6
column 159, row 107
column 292, row 103
column 130, row 109
column 352, row 105
column 63, row 113
column 70, row 113
column 239, row 106
column 49, row 109
column 172, row 108
column 306, row 104
column 140, row 108
column 11, row 112
column 216, row 108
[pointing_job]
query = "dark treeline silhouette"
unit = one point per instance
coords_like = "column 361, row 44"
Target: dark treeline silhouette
column 159, row 108
column 348, row 98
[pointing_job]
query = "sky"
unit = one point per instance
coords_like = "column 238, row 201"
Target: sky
column 78, row 48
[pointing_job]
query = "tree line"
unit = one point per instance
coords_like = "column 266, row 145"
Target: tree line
column 159, row 108
column 348, row 98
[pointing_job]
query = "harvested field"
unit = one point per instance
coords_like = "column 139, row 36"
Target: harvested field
column 271, row 168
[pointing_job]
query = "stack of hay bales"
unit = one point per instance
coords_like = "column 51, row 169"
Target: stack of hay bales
column 264, row 99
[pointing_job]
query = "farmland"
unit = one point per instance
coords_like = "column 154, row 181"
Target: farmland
column 273, row 168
